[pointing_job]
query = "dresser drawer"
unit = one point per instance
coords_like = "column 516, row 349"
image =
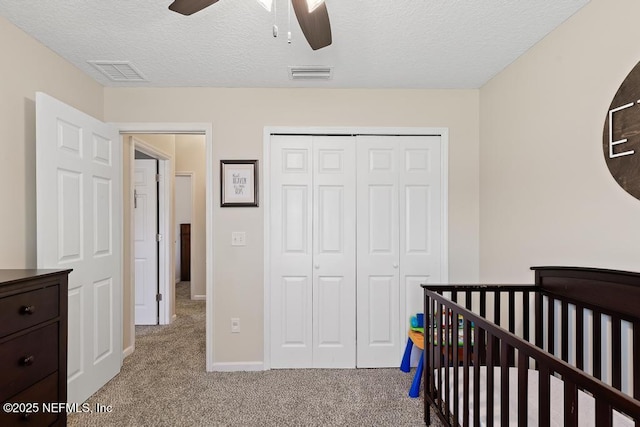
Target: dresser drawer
column 44, row 391
column 27, row 359
column 21, row 311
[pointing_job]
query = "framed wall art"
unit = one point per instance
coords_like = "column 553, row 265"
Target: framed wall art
column 238, row 183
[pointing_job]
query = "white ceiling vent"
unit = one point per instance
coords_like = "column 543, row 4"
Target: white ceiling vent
column 119, row 71
column 310, row 72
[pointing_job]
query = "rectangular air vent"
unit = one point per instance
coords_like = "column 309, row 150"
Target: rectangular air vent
column 119, row 71
column 310, row 72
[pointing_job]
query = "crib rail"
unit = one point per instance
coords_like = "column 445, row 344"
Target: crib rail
column 540, row 329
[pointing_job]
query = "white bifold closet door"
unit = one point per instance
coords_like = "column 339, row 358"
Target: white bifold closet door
column 313, row 252
column 399, row 239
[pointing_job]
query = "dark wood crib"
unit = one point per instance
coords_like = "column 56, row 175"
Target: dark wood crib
column 563, row 351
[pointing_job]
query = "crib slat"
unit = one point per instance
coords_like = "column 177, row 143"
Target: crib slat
column 551, row 326
column 504, row 384
column 580, row 337
column 616, row 353
column 483, row 303
column 438, row 356
column 523, row 388
column 447, row 347
column 491, row 354
column 544, row 405
column 604, row 415
column 431, row 359
column 597, row 344
column 427, row 361
column 525, row 315
column 496, row 308
column 466, row 338
column 635, row 351
column 467, row 300
column 570, row 404
column 564, row 339
column 456, row 371
column 476, row 375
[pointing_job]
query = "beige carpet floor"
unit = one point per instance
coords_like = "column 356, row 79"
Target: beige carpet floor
column 164, row 383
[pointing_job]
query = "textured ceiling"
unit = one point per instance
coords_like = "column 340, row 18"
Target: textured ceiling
column 376, row 43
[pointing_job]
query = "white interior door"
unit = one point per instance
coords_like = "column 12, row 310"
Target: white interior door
column 291, row 252
column 334, row 254
column 399, row 239
column 387, row 243
column 378, row 302
column 79, row 218
column 145, row 241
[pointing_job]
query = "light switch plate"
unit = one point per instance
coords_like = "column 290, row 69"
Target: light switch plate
column 238, row 238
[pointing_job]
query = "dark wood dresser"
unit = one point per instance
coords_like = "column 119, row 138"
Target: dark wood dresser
column 33, row 347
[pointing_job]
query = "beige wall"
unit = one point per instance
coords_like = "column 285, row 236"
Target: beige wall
column 239, row 116
column 166, row 145
column 27, row 66
column 191, row 157
column 546, row 194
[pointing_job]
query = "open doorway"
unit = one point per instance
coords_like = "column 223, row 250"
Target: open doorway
column 194, row 144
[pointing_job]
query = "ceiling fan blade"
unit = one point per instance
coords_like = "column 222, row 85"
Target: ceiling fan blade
column 315, row 25
column 189, row 7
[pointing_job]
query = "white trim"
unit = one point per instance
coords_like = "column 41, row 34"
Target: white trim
column 444, row 188
column 198, row 298
column 192, row 177
column 238, row 366
column 132, row 251
column 166, row 304
column 128, row 351
column 207, row 130
column 293, row 130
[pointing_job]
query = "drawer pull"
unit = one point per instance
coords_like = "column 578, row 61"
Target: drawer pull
column 28, row 309
column 27, row 360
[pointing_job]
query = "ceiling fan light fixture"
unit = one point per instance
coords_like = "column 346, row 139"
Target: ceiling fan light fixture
column 267, row 4
column 314, row 4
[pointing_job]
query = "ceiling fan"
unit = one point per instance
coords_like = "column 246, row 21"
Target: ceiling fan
column 312, row 16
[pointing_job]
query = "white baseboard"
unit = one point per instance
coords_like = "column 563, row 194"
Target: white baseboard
column 173, row 318
column 199, row 298
column 238, row 366
column 128, row 351
column 177, row 280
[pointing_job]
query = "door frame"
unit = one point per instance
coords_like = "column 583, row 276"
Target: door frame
column 164, row 228
column 205, row 129
column 442, row 132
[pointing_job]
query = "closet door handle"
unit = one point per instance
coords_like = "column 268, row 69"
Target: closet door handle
column 316, row 266
column 395, row 265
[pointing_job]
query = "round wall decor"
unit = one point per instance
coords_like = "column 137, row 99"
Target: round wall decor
column 621, row 134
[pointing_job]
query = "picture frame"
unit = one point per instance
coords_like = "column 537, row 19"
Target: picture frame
column 238, row 183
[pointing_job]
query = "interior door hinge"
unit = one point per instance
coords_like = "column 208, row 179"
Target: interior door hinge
column 158, row 297
column 135, row 198
column 158, row 237
column 157, row 177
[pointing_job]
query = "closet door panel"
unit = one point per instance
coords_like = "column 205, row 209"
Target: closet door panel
column 378, row 294
column 334, row 254
column 291, row 252
column 420, row 206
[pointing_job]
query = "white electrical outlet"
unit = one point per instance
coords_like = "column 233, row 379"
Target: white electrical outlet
column 235, row 325
column 238, row 238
